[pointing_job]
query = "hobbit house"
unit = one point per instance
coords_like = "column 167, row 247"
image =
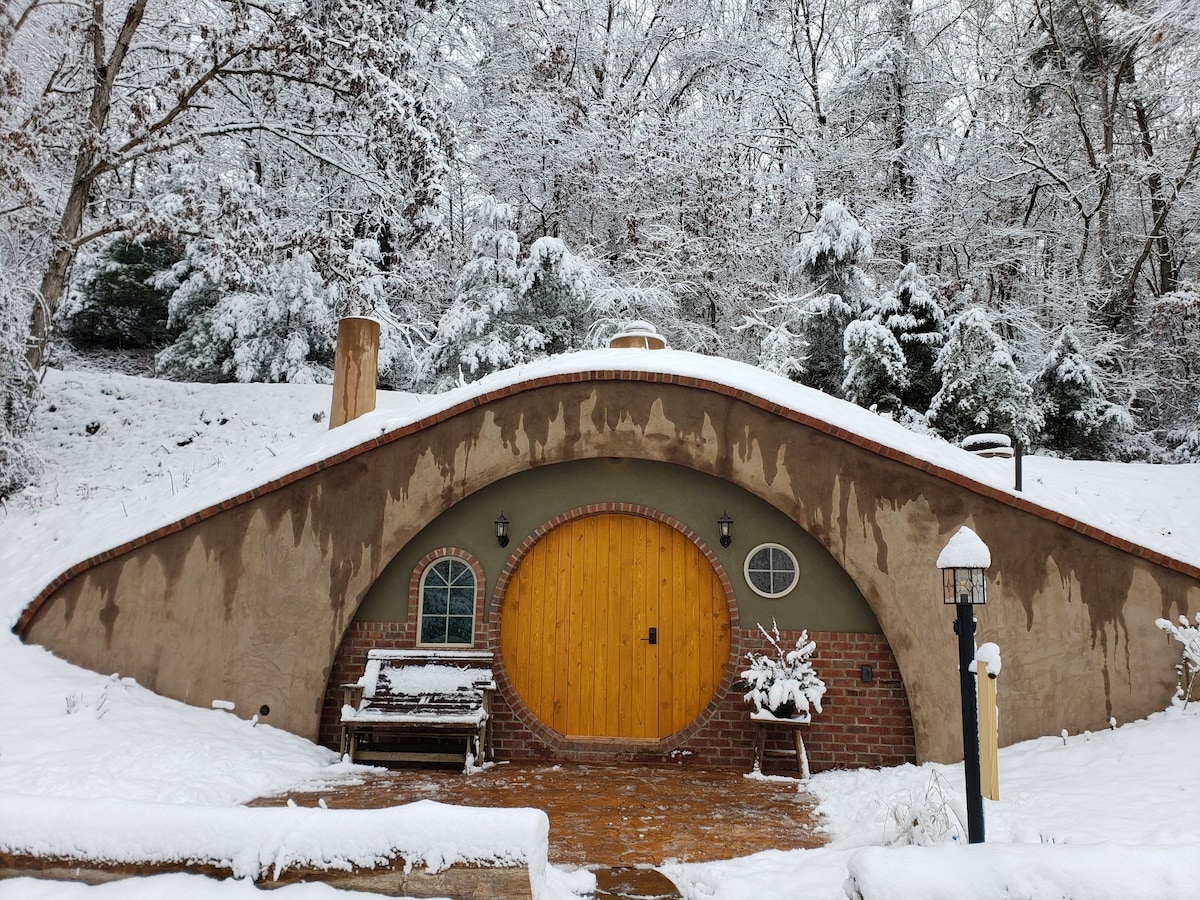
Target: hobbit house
column 618, row 617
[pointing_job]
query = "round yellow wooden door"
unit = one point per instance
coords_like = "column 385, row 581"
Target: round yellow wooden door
column 615, row 626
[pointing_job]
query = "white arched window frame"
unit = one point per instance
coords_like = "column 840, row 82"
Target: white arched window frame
column 447, row 595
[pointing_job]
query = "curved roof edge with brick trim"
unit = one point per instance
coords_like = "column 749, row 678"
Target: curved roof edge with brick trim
column 528, row 378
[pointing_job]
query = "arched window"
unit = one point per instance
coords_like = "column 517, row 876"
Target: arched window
column 447, row 595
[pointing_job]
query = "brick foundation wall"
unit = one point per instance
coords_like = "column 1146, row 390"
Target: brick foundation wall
column 863, row 723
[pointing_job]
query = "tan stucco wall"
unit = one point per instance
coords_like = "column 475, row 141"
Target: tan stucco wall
column 250, row 605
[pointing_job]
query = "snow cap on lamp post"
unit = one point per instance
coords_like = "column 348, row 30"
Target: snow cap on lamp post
column 962, row 562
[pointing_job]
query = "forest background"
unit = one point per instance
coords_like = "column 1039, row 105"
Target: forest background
column 971, row 215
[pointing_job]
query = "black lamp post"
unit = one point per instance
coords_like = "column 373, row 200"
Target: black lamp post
column 962, row 562
column 502, row 529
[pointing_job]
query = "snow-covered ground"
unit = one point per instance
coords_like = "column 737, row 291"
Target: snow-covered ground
column 1112, row 814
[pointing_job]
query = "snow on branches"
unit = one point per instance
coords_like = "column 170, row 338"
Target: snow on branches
column 783, row 682
column 1188, row 635
column 982, row 388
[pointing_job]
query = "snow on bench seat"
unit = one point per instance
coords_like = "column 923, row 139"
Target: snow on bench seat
column 419, row 696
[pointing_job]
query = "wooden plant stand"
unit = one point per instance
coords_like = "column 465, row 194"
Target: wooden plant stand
column 765, row 723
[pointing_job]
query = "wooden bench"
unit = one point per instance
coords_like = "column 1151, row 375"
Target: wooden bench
column 410, row 704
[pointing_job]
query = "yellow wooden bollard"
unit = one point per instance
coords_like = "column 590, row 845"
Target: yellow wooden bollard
column 989, row 763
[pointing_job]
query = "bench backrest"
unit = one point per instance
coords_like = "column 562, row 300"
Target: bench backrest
column 417, row 673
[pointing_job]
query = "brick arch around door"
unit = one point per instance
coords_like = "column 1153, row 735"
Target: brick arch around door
column 614, row 623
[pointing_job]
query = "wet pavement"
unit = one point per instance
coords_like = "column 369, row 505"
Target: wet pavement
column 611, row 817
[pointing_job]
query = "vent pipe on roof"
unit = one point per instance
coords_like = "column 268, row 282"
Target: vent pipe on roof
column 355, row 366
column 998, row 445
column 640, row 335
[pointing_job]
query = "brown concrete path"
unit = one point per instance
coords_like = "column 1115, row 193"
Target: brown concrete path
column 603, row 816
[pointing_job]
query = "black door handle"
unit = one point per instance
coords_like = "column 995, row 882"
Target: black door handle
column 652, row 637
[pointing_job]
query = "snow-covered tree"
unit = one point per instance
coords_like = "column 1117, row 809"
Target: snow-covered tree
column 833, row 254
column 1171, row 351
column 18, row 386
column 116, row 301
column 918, row 324
column 280, row 328
column 476, row 335
column 503, row 313
column 982, row 388
column 325, row 110
column 553, row 293
column 1079, row 422
column 876, row 374
column 831, row 258
column 779, row 344
column 614, row 302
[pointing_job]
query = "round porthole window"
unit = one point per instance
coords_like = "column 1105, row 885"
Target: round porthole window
column 771, row 570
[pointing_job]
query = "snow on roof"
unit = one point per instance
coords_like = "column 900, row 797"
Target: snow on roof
column 965, row 550
column 1118, row 506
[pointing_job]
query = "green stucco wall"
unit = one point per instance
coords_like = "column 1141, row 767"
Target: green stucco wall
column 825, row 599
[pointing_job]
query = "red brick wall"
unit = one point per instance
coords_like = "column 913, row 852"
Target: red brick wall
column 863, row 723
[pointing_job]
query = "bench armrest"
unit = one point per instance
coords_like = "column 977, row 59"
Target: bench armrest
column 352, row 693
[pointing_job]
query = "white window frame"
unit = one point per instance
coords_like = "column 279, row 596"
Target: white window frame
column 450, row 561
column 795, row 569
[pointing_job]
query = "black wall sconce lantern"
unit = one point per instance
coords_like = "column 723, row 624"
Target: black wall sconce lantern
column 725, row 529
column 502, row 529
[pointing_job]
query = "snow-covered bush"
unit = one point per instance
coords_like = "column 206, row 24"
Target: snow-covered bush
column 118, row 300
column 279, row 329
column 1189, row 665
column 783, row 682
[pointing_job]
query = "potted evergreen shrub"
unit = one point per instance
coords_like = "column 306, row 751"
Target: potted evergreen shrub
column 782, row 683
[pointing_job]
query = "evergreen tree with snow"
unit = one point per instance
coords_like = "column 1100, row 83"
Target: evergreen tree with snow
column 278, row 329
column 876, row 374
column 1079, row 422
column 916, row 321
column 472, row 336
column 504, row 314
column 118, row 303
column 982, row 389
column 554, row 293
column 831, row 257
